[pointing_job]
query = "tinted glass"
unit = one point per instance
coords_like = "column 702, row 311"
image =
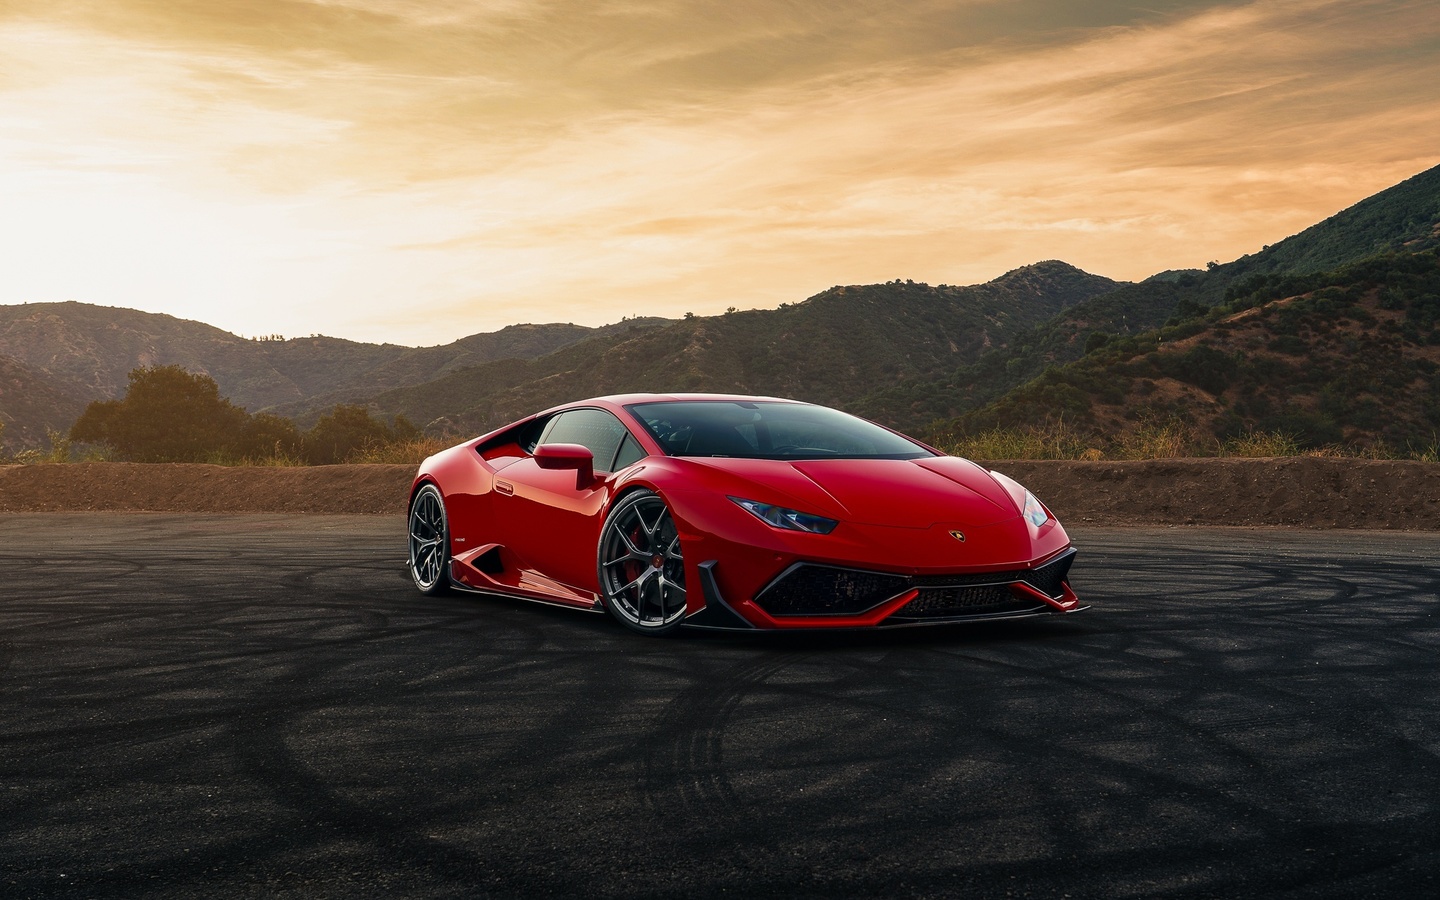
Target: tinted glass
column 593, row 429
column 767, row 430
column 630, row 453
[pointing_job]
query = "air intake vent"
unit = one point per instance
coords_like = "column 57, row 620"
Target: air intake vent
column 806, row 589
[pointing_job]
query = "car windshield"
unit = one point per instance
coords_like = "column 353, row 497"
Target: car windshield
column 768, row 430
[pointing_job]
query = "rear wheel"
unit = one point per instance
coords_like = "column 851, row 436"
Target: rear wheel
column 642, row 572
column 429, row 542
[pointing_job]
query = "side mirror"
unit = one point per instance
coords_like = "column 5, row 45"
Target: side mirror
column 568, row 456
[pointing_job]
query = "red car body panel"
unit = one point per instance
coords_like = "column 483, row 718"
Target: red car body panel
column 517, row 526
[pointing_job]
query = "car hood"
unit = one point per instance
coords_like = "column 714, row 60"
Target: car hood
column 911, row 493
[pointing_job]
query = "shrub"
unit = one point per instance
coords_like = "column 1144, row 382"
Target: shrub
column 409, row 452
column 1167, row 439
column 167, row 415
column 1289, row 344
column 348, row 430
column 1260, row 444
column 1310, row 430
column 1205, row 367
column 1052, row 439
column 171, row 415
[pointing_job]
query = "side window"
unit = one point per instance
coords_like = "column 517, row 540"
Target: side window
column 630, row 453
column 529, row 435
column 594, row 429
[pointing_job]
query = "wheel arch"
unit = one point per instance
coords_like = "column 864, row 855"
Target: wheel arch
column 625, row 491
column 419, row 484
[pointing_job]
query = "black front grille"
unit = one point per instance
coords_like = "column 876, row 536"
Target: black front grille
column 954, row 596
column 946, row 603
column 1049, row 579
column 935, row 601
column 806, row 589
column 811, row 590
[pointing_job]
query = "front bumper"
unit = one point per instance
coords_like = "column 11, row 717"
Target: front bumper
column 860, row 575
column 812, row 595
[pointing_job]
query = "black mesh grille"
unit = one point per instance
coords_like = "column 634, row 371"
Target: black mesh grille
column 956, row 601
column 1049, row 578
column 946, row 596
column 813, row 590
column 927, row 581
column 951, row 601
column 807, row 590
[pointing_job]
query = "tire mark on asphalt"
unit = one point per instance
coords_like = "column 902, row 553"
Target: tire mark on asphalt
column 686, row 772
column 470, row 745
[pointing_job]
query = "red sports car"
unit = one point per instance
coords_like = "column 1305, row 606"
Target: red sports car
column 732, row 512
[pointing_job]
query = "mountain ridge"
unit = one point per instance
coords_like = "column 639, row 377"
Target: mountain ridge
column 1404, row 217
column 72, row 353
column 902, row 352
column 1347, row 357
column 828, row 348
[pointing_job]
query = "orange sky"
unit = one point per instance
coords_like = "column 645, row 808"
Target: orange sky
column 418, row 170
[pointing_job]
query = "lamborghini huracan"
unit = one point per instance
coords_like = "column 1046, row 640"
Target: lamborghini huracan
column 732, row 512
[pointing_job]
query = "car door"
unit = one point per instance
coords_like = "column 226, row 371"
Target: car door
column 549, row 517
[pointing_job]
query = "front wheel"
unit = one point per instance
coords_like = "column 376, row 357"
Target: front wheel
column 429, row 542
column 642, row 573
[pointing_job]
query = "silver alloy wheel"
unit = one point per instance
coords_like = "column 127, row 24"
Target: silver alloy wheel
column 429, row 541
column 642, row 572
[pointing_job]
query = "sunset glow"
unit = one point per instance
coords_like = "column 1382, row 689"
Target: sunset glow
column 417, row 170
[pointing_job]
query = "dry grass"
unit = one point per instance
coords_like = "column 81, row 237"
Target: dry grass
column 410, row 453
column 1156, row 440
column 406, row 452
column 1256, row 444
column 1052, row 441
column 62, row 450
column 1057, row 440
column 277, row 460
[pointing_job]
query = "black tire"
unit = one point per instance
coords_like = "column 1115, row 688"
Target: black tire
column 642, row 571
column 429, row 542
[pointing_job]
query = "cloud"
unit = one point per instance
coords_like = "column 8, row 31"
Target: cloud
column 537, row 160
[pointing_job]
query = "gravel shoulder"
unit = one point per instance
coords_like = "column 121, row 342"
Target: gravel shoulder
column 1304, row 492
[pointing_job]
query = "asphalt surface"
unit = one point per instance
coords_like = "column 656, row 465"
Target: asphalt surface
column 260, row 706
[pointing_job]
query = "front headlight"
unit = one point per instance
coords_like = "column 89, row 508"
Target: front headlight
column 1034, row 511
column 788, row 519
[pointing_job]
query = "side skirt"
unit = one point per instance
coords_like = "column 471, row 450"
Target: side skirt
column 457, row 585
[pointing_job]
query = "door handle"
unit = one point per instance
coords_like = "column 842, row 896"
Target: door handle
column 504, row 487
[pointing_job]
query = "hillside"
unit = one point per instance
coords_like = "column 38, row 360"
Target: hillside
column 903, row 353
column 832, row 348
column 60, row 356
column 427, row 364
column 1403, row 218
column 1129, row 309
column 1346, row 357
column 31, row 404
column 89, row 350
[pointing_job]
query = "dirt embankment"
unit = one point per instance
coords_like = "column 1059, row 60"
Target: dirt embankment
column 178, row 487
column 1303, row 491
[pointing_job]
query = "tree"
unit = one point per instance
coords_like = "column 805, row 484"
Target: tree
column 265, row 435
column 171, row 415
column 167, row 415
column 93, row 426
column 1095, row 341
column 348, row 429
